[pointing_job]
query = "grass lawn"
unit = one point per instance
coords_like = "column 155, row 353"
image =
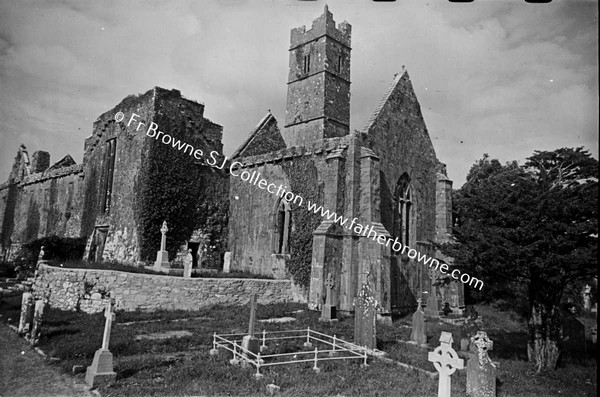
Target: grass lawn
column 182, row 366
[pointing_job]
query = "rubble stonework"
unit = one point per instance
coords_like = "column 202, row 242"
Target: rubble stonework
column 386, row 175
column 89, row 290
column 100, row 199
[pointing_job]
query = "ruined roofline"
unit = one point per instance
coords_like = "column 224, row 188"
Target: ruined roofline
column 384, row 100
column 52, row 174
column 323, row 146
column 151, row 92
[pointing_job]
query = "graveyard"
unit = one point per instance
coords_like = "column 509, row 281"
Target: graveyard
column 172, row 353
column 264, row 235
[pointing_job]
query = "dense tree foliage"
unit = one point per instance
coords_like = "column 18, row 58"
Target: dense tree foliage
column 530, row 232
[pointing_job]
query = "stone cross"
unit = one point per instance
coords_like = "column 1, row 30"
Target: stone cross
column 328, row 312
column 365, row 315
column 446, row 361
column 329, row 284
column 101, row 371
column 481, row 371
column 110, row 317
column 252, row 315
column 250, row 342
column 163, row 240
column 432, row 308
column 162, row 256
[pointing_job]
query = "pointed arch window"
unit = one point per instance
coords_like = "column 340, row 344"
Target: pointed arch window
column 404, row 213
column 108, row 173
column 283, row 225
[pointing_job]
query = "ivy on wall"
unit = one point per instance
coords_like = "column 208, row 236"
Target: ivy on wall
column 185, row 194
column 303, row 177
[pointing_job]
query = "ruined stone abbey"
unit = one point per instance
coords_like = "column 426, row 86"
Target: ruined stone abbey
column 386, row 175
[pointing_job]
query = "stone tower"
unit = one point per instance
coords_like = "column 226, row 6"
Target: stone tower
column 318, row 99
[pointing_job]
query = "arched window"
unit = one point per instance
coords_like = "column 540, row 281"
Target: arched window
column 283, row 226
column 403, row 214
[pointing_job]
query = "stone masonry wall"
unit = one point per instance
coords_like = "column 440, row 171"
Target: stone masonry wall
column 87, row 290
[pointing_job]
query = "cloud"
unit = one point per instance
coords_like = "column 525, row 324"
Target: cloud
column 504, row 78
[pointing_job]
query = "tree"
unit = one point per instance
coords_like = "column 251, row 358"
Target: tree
column 530, row 232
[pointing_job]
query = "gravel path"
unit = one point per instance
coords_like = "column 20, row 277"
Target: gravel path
column 23, row 372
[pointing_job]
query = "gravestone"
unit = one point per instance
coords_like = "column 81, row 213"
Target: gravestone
column 38, row 314
column 250, row 342
column 481, row 371
column 162, row 256
column 187, row 264
column 101, row 371
column 446, row 361
column 418, row 335
column 27, row 309
column 365, row 315
column 465, row 332
column 226, row 262
column 587, row 298
column 41, row 256
column 328, row 311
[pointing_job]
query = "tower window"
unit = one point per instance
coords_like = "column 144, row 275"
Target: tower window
column 306, row 64
column 108, row 172
column 339, row 64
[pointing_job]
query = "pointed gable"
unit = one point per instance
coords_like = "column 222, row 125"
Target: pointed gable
column 397, row 120
column 265, row 138
column 66, row 161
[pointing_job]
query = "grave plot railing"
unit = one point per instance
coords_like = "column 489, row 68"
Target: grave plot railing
column 335, row 349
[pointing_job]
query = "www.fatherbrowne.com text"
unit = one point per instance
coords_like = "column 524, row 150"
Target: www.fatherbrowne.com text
column 255, row 179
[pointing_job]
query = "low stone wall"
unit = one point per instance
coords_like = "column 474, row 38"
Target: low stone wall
column 88, row 290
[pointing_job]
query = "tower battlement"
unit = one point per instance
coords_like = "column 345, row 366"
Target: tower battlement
column 318, row 100
column 323, row 25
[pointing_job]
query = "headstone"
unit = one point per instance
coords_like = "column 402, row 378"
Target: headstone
column 41, row 256
column 481, row 371
column 162, row 256
column 418, row 327
column 465, row 332
column 101, row 370
column 433, row 308
column 250, row 342
column 226, row 262
column 365, row 315
column 328, row 311
column 447, row 310
column 27, row 311
column 446, row 361
column 187, row 264
column 40, row 305
column 199, row 258
column 587, row 301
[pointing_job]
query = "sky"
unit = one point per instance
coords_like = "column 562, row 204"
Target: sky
column 500, row 77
